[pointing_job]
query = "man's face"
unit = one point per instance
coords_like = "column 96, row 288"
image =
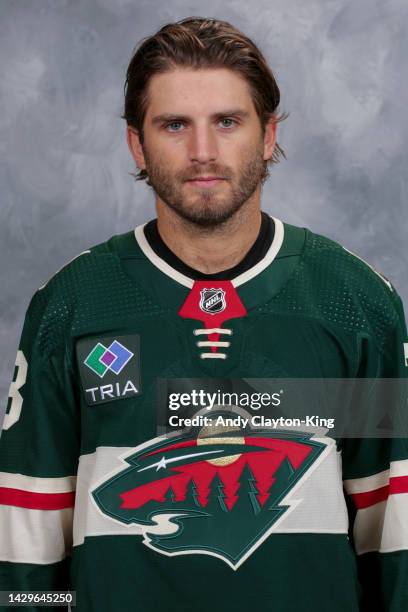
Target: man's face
column 202, row 123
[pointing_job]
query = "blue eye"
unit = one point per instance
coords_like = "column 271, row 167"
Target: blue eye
column 173, row 123
column 228, row 119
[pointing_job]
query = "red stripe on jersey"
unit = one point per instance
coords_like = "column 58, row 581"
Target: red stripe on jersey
column 398, row 484
column 36, row 501
column 369, row 498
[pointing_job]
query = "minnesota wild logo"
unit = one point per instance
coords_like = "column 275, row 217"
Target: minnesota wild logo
column 216, row 490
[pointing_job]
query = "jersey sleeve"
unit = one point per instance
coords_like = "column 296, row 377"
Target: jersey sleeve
column 38, row 457
column 375, row 473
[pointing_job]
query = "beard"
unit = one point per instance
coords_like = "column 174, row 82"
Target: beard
column 206, row 206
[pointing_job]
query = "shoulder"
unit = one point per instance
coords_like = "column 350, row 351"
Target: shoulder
column 75, row 289
column 340, row 287
column 91, row 265
column 337, row 264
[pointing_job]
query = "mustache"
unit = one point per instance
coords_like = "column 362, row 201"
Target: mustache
column 213, row 173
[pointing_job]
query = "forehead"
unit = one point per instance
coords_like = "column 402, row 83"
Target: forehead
column 192, row 91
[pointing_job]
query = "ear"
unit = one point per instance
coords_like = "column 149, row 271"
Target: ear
column 135, row 147
column 270, row 138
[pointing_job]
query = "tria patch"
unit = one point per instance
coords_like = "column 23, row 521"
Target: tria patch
column 109, row 367
column 211, row 490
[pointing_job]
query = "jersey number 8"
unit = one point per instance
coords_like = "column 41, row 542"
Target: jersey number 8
column 13, row 415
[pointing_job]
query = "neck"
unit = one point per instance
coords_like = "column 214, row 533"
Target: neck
column 214, row 249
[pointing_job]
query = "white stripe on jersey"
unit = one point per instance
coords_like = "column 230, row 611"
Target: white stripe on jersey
column 383, row 526
column 316, row 503
column 376, row 481
column 36, row 484
column 35, row 536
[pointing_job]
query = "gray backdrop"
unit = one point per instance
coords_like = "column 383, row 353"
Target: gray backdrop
column 65, row 162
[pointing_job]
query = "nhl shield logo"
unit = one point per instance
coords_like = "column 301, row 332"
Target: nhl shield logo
column 212, row 300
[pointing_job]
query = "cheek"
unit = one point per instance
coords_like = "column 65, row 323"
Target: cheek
column 156, row 157
column 247, row 153
column 171, row 154
column 239, row 146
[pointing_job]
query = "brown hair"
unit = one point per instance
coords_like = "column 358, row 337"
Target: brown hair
column 197, row 42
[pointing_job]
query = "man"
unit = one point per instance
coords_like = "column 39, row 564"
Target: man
column 212, row 292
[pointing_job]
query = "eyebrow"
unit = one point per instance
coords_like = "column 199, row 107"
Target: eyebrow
column 236, row 112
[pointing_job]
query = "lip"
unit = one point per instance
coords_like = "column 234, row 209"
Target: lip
column 206, row 181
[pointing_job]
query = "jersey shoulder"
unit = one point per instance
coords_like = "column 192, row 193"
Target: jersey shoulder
column 342, row 262
column 83, row 293
column 91, row 260
column 348, row 288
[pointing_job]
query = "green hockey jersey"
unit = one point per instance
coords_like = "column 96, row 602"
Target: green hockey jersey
column 95, row 498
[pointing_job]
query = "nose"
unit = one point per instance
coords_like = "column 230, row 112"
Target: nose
column 203, row 146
